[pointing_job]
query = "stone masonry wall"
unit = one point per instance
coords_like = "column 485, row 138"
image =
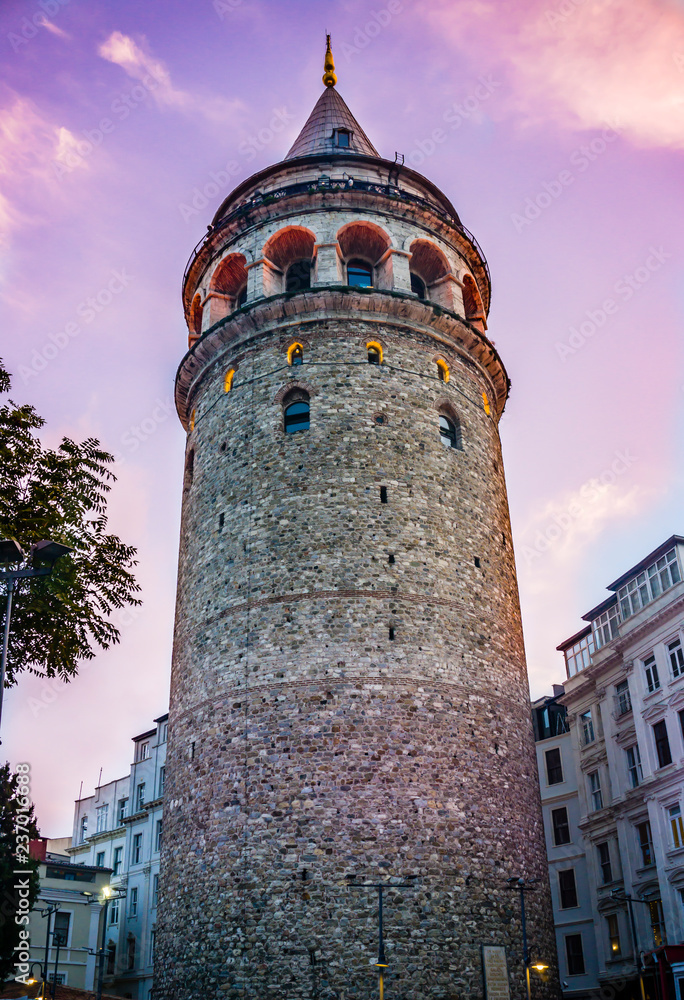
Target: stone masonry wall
column 306, row 747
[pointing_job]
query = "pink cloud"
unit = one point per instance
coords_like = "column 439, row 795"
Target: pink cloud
column 583, row 64
column 138, row 63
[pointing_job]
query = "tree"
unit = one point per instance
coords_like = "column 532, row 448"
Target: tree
column 17, row 828
column 60, row 494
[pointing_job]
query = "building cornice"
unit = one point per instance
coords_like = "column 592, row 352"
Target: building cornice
column 400, row 310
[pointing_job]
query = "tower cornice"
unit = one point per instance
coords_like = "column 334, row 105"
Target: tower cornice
column 261, row 197
column 393, row 308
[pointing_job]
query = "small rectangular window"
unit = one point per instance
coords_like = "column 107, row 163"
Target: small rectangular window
column 121, row 810
column 136, row 854
column 623, row 701
column 144, row 751
column 133, row 905
column 114, row 910
column 162, row 779
column 676, row 826
column 676, row 654
column 587, row 724
column 390, row 559
column 613, row 934
column 140, row 796
column 662, row 743
column 568, row 888
column 554, row 766
column 99, row 859
column 595, row 790
column 158, row 835
column 155, row 890
column 634, row 765
column 61, row 927
column 603, row 851
column 574, row 954
column 101, row 818
column 561, row 827
column 118, row 851
column 391, row 633
column 383, row 494
column 651, row 673
column 657, row 922
column 645, row 843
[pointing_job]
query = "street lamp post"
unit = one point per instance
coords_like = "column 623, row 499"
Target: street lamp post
column 621, row 895
column 39, row 562
column 382, row 962
column 50, row 909
column 56, row 939
column 109, row 896
column 523, row 886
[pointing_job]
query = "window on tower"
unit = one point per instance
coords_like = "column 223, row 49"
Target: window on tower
column 342, row 137
column 298, row 277
column 359, row 273
column 241, row 297
column 295, row 354
column 418, row 286
column 296, row 411
column 450, row 432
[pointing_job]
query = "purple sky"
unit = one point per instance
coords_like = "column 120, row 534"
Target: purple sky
column 556, row 129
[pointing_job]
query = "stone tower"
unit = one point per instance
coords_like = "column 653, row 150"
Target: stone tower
column 349, row 696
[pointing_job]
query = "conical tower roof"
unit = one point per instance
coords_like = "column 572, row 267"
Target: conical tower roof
column 321, row 133
column 318, row 135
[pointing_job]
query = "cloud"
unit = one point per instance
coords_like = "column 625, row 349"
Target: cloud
column 139, row 64
column 124, row 52
column 53, row 29
column 29, row 146
column 582, row 63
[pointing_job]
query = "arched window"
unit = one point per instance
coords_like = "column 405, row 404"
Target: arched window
column 196, row 318
column 374, row 353
column 363, row 248
column 359, row 273
column 290, row 252
column 296, row 416
column 228, row 288
column 449, row 432
column 442, row 370
column 429, row 267
column 189, row 469
column 295, row 354
column 418, row 286
column 472, row 304
column 298, row 276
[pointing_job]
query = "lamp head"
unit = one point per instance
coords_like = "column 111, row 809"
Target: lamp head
column 11, row 551
column 47, row 553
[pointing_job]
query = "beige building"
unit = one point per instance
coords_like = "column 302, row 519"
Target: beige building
column 625, row 701
column 73, row 893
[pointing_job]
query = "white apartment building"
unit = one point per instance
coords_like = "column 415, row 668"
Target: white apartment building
column 625, row 701
column 120, row 827
column 569, row 873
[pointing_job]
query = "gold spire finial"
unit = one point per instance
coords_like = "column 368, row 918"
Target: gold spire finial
column 329, row 78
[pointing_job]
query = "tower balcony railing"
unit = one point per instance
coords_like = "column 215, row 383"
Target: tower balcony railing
column 326, row 184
